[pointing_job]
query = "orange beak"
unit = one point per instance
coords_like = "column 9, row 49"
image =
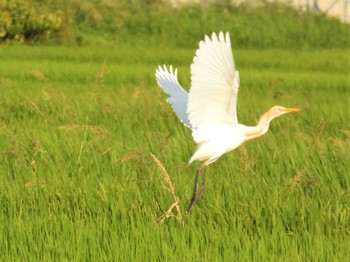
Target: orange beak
column 290, row 110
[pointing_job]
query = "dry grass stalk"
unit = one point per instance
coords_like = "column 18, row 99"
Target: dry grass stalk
column 295, row 181
column 39, row 75
column 9, row 153
column 275, row 82
column 133, row 155
column 99, row 75
column 322, row 125
column 36, row 147
column 6, row 82
column 345, row 132
column 36, row 182
column 302, row 181
column 169, row 187
column 51, row 94
column 80, row 128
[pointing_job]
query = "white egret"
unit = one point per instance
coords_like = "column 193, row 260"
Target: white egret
column 209, row 109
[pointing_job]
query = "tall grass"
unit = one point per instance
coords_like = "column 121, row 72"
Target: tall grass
column 79, row 183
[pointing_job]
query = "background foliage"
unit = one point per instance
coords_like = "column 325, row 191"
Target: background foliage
column 27, row 21
column 156, row 22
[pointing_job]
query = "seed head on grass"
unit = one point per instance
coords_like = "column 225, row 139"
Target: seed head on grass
column 6, row 82
column 36, row 182
column 169, row 186
column 36, row 147
column 81, row 128
column 99, row 75
column 39, row 75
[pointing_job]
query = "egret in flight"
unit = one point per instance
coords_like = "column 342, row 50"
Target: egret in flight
column 209, row 109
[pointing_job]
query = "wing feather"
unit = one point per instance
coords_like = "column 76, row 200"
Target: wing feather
column 214, row 83
column 178, row 97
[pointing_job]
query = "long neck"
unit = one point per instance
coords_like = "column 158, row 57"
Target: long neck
column 263, row 124
column 261, row 128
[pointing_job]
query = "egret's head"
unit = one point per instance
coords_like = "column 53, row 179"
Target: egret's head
column 280, row 110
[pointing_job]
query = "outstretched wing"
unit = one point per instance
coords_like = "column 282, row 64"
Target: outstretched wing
column 178, row 97
column 214, row 83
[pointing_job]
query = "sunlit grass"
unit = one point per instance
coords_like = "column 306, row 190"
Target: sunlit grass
column 79, row 182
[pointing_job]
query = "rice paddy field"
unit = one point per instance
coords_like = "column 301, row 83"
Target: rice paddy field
column 79, row 125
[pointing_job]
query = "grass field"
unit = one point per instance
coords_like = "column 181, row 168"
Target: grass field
column 77, row 129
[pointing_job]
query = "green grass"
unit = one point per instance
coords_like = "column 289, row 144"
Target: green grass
column 78, row 181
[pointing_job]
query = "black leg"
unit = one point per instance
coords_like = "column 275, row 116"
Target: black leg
column 196, row 197
column 194, row 194
column 201, row 189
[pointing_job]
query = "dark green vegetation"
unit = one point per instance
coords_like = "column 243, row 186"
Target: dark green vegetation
column 156, row 23
column 78, row 125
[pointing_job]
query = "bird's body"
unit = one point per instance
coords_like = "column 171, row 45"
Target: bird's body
column 209, row 108
column 214, row 141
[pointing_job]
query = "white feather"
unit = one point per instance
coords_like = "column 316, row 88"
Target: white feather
column 178, row 97
column 214, row 84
